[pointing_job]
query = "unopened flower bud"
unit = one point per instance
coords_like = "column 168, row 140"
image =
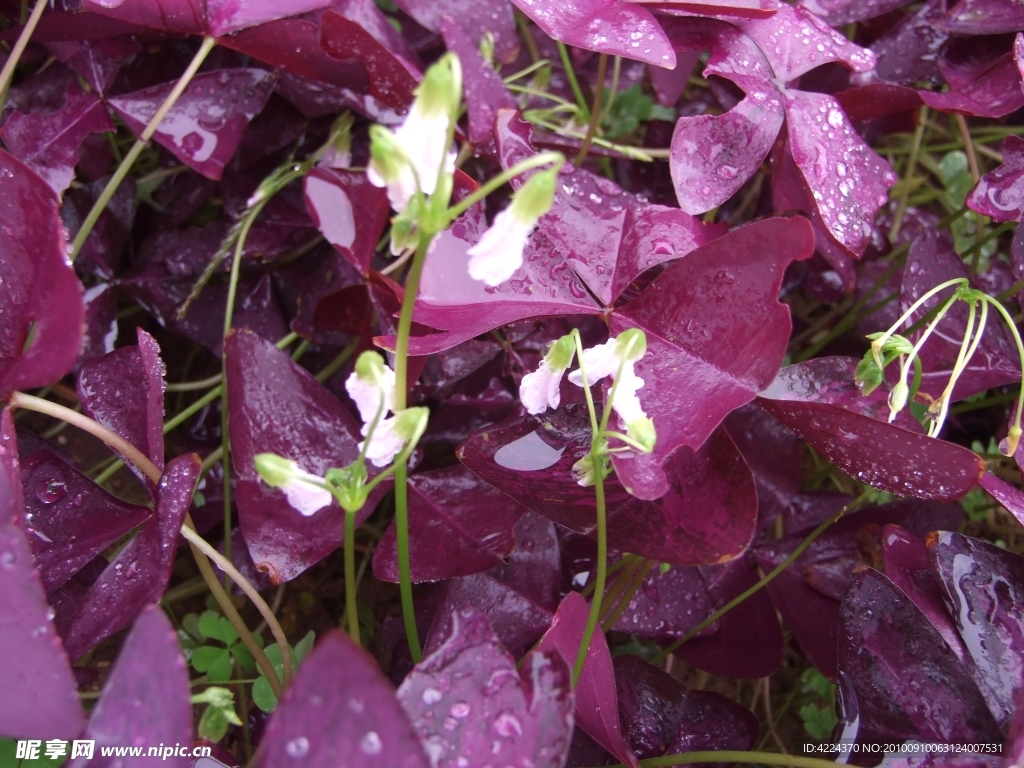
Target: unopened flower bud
column 897, row 399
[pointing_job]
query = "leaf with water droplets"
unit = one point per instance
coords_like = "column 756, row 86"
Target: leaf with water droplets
column 982, row 17
column 898, row 680
column 716, row 333
column 978, row 85
column 124, row 391
column 1000, row 192
column 340, row 710
column 907, row 52
column 1011, row 497
column 839, row 12
column 69, row 519
column 140, row 572
column 37, row 344
column 336, row 201
column 467, row 702
column 596, row 700
column 146, row 698
column 819, row 401
column 984, row 589
column 706, row 516
column 48, row 142
column 196, row 17
column 808, row 592
column 276, row 406
column 519, row 598
column 41, row 696
column 475, row 19
column 205, row 126
column 606, row 26
column 459, row 525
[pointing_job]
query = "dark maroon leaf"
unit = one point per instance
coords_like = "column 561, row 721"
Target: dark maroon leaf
column 716, row 333
column 391, row 79
column 37, row 345
column 205, row 126
column 1008, row 495
column 820, row 402
column 607, row 236
column 101, row 252
column 984, row 588
column 340, row 710
column 605, row 26
column 519, row 598
column 1000, row 193
column 68, row 519
column 140, row 572
column 808, row 592
column 877, row 100
column 334, row 304
column 336, row 200
column 651, row 702
column 370, row 16
column 96, row 60
column 710, row 722
column 474, row 17
column 669, row 84
column 596, row 707
column 932, row 260
column 146, row 698
column 982, row 17
column 124, row 391
column 530, row 458
column 48, row 142
column 484, row 91
column 226, row 16
column 275, row 406
column 41, row 697
column 898, row 679
column 187, row 16
column 100, row 322
column 992, row 92
column 467, row 702
column 458, row 525
column 839, row 12
column 906, row 53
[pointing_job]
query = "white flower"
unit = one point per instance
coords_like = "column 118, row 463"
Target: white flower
column 599, row 362
column 500, row 251
column 365, row 389
column 540, row 390
column 305, row 491
column 605, row 361
column 385, row 443
column 626, row 403
column 422, row 139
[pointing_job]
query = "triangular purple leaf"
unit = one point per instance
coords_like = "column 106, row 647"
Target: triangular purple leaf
column 37, row 345
column 467, row 702
column 1000, row 192
column 475, row 18
column 839, row 12
column 41, row 697
column 340, row 710
column 982, row 17
column 992, row 92
column 140, row 572
column 205, row 126
column 146, row 698
column 458, row 525
column 336, row 201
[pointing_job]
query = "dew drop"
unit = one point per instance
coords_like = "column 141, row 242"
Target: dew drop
column 371, row 744
column 297, row 748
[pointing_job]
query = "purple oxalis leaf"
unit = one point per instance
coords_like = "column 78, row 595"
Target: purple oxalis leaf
column 932, row 260
column 984, row 590
column 820, row 402
column 907, row 53
column 530, row 458
column 716, row 333
column 339, row 199
column 205, row 126
column 41, row 698
column 898, row 680
column 140, row 572
column 992, row 92
column 146, row 698
column 124, row 391
column 48, row 143
column 467, row 702
column 97, row 61
column 275, row 406
column 605, row 26
column 1011, row 497
column 101, row 253
column 982, row 17
column 519, row 597
column 37, row 344
column 1000, row 192
column 459, row 525
column 200, row 17
column 596, row 707
column 334, row 304
column 474, row 18
column 69, row 519
column 839, row 12
column 809, row 591
column 340, row 709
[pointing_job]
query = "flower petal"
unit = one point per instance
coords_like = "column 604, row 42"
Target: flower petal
column 500, row 251
column 600, row 361
column 385, row 443
column 540, row 390
column 306, row 496
column 367, row 394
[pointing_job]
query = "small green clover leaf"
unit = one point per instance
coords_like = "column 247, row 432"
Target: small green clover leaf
column 262, row 694
column 216, row 661
column 219, row 713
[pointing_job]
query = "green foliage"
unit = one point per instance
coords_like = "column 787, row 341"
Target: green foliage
column 629, row 109
column 219, row 713
column 976, row 505
column 215, row 659
column 818, row 711
column 262, row 694
column 9, row 751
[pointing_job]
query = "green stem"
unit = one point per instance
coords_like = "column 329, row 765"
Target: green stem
column 351, row 611
column 122, row 170
column 595, row 110
column 544, row 158
column 915, row 149
column 638, row 576
column 803, row 545
column 602, row 564
column 734, row 756
column 570, row 74
column 1020, row 348
column 7, row 74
